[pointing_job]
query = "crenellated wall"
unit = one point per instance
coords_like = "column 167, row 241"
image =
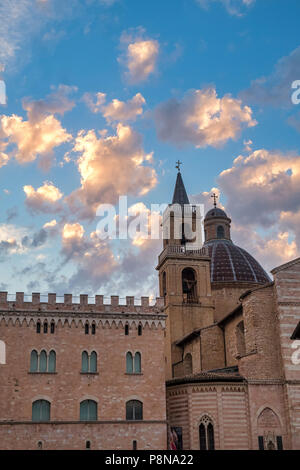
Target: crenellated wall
column 111, row 386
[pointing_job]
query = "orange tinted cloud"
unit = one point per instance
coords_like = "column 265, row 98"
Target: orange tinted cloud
column 202, row 119
column 44, row 199
column 116, row 110
column 110, row 166
column 140, row 58
column 42, row 132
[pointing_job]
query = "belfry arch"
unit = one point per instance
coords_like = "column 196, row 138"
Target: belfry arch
column 189, row 285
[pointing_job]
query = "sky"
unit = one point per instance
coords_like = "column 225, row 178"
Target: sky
column 104, row 96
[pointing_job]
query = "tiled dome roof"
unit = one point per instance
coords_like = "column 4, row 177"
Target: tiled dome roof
column 215, row 212
column 230, row 263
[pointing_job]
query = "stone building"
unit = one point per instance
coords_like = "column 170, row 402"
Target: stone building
column 214, row 364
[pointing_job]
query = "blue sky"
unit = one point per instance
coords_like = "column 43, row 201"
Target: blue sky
column 208, row 82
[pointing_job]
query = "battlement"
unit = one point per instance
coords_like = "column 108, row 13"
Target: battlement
column 40, row 302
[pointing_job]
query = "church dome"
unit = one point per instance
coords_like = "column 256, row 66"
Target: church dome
column 230, row 263
column 215, row 212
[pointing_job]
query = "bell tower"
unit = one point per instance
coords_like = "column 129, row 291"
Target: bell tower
column 184, row 274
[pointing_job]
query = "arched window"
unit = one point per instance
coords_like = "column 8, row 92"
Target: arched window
column 52, row 327
column 129, row 363
column 269, row 430
column 189, row 285
column 126, row 329
column 140, row 330
column 40, row 411
column 45, row 327
column 188, row 364
column 43, row 362
column 137, row 363
column 93, row 328
column 88, row 410
column 93, row 362
column 52, row 361
column 206, row 434
column 33, row 361
column 86, row 329
column 220, row 231
column 2, row 352
column 164, row 284
column 240, row 339
column 134, row 410
column 84, row 362
column 38, row 327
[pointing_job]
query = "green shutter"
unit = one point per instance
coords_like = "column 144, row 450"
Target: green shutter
column 137, row 363
column 129, row 363
column 45, row 410
column 43, row 362
column 93, row 362
column 92, row 413
column 40, row 411
column 129, row 410
column 52, row 362
column 84, row 362
column 33, row 361
column 84, row 411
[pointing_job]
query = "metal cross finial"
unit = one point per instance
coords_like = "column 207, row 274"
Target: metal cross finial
column 215, row 199
column 178, row 165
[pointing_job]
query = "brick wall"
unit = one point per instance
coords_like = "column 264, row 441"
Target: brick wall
column 111, row 387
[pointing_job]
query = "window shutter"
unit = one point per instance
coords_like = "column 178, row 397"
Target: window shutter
column 45, row 410
column 84, row 411
column 137, row 363
column 52, row 361
column 129, row 410
column 92, row 410
column 43, row 362
column 93, row 362
column 129, row 363
column 84, row 362
column 138, row 410
column 33, row 361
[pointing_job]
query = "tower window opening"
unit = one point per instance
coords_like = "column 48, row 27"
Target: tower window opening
column 189, row 285
column 220, row 231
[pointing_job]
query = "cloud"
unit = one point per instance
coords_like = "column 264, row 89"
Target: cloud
column 275, row 89
column 201, row 118
column 140, row 57
column 93, row 258
column 41, row 133
column 110, row 166
column 234, row 7
column 44, row 199
column 11, row 213
column 11, row 239
column 259, row 186
column 271, row 249
column 116, row 110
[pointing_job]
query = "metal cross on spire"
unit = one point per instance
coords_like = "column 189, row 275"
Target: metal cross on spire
column 214, row 195
column 178, row 165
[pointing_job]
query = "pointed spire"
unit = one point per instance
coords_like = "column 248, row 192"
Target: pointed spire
column 180, row 195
